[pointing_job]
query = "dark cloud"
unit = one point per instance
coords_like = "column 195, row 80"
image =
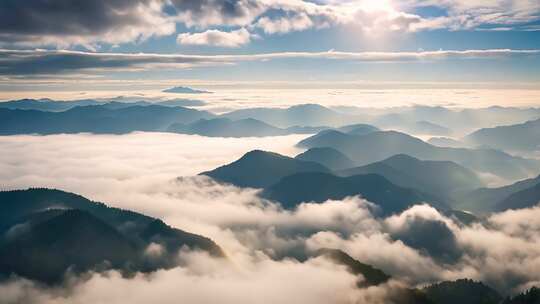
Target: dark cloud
column 70, row 21
column 66, row 22
column 33, row 17
column 218, row 12
column 51, row 62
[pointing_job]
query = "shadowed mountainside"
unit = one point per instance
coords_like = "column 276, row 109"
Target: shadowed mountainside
column 438, row 178
column 462, row 291
column 45, row 232
column 319, row 187
column 527, row 198
column 531, row 296
column 525, row 136
column 371, row 275
column 377, row 146
column 486, row 200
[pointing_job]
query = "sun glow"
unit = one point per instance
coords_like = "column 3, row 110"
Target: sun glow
column 376, row 6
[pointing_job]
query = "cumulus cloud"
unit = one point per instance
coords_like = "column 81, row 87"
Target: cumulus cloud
column 230, row 39
column 69, row 22
column 63, row 23
column 284, row 25
column 485, row 251
column 43, row 62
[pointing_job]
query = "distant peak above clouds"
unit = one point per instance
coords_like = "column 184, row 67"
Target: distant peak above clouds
column 185, row 90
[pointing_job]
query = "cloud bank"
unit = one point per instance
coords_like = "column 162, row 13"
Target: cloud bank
column 137, row 171
column 50, row 62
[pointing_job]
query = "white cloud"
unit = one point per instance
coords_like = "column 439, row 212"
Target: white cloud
column 38, row 23
column 299, row 22
column 230, row 39
column 40, row 62
column 137, row 171
column 32, row 23
column 206, row 13
column 205, row 280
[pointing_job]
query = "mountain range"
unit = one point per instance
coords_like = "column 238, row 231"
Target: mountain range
column 291, row 181
column 436, row 121
column 524, row 136
column 50, row 105
column 97, row 119
column 377, row 146
column 458, row 120
column 438, row 178
column 248, row 127
column 117, row 117
column 318, row 187
column 485, row 200
column 301, row 115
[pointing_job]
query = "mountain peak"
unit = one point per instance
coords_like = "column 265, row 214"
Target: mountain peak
column 259, row 169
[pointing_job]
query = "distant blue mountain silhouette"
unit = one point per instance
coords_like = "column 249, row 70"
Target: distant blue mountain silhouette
column 185, row 90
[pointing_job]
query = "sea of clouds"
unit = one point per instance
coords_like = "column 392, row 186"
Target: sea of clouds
column 156, row 174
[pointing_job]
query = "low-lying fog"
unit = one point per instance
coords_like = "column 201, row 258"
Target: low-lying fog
column 137, row 171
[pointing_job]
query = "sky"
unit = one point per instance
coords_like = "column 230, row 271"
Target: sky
column 57, row 45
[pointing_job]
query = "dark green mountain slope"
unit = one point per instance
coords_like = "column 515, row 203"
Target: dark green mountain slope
column 371, row 275
column 46, row 232
column 462, row 291
column 531, row 296
column 319, row 187
column 74, row 239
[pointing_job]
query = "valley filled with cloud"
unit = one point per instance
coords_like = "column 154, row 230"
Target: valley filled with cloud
column 268, row 248
column 270, row 151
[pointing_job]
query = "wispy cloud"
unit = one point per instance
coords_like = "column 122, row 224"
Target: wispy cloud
column 50, row 62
